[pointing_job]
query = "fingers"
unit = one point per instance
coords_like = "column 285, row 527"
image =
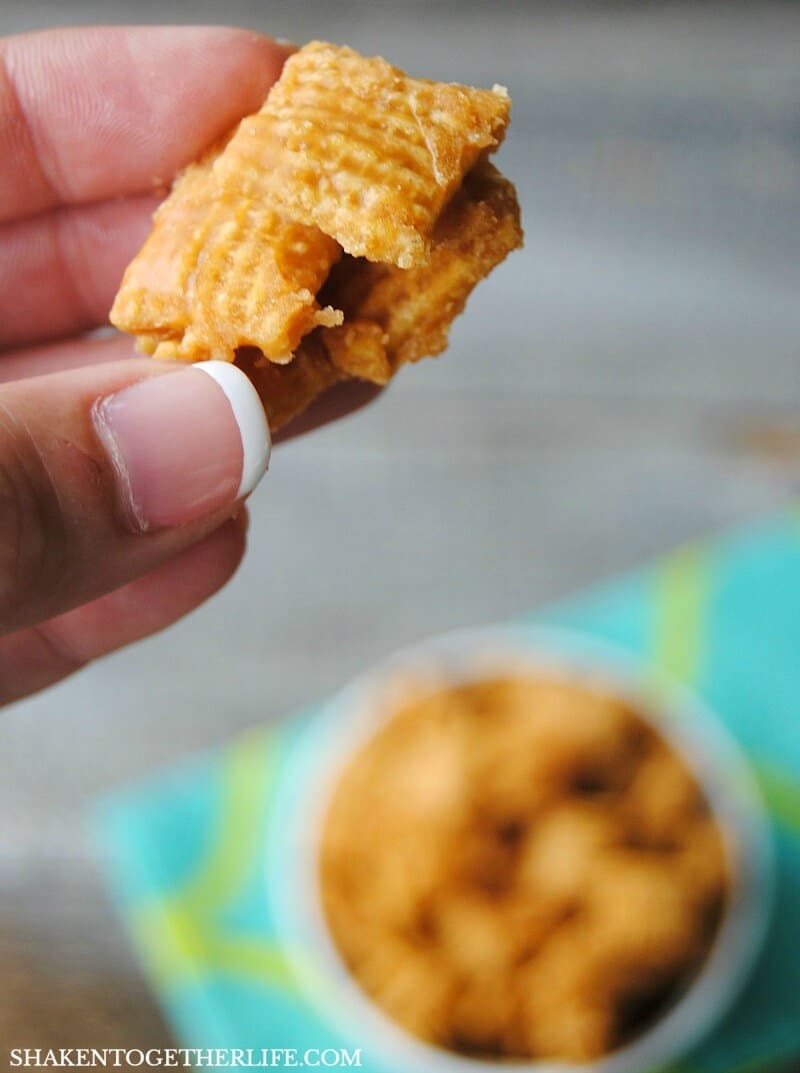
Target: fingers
column 338, row 402
column 59, row 271
column 42, row 655
column 67, row 354
column 92, row 113
column 110, row 470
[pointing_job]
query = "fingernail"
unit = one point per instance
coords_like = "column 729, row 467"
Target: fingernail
column 184, row 444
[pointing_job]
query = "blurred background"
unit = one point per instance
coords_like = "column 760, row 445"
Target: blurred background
column 627, row 382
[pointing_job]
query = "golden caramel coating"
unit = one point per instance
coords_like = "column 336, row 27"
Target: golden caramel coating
column 544, row 920
column 584, row 739
column 394, row 316
column 358, row 349
column 645, row 919
column 663, row 797
column 704, row 863
column 559, row 853
column 481, row 1014
column 360, row 150
column 472, row 935
column 244, row 253
column 482, row 859
column 406, row 981
column 573, row 1025
column 564, row 1010
column 219, row 272
column 413, row 310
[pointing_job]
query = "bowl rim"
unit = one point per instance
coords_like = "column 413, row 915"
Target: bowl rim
column 350, row 718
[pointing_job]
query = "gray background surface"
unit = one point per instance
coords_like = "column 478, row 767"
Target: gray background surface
column 630, row 380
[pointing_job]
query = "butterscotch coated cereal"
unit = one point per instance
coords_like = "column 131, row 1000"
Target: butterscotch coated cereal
column 362, row 151
column 521, row 867
column 259, row 253
column 217, row 273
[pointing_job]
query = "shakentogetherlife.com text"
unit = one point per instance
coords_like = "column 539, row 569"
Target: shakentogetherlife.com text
column 184, row 1058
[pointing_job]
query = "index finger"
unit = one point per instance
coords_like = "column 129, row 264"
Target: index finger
column 96, row 112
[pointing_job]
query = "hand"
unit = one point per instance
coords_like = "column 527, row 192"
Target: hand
column 121, row 479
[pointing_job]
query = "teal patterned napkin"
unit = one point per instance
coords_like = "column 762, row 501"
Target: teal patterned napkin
column 187, row 853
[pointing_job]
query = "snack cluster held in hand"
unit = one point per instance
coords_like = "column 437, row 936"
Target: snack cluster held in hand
column 522, row 867
column 335, row 234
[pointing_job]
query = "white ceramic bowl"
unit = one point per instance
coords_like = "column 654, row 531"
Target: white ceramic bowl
column 356, row 714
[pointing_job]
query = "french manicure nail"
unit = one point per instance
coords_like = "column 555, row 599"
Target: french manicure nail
column 184, row 444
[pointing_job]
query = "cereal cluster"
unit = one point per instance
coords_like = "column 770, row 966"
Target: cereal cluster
column 521, row 867
column 335, row 234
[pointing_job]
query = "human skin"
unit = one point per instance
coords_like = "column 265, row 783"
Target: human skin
column 94, row 123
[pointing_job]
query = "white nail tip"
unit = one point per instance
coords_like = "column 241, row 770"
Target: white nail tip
column 250, row 417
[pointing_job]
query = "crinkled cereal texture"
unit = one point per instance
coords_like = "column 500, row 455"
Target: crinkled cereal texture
column 521, row 868
column 362, row 151
column 218, row 272
column 415, row 308
column 244, row 261
column 392, row 315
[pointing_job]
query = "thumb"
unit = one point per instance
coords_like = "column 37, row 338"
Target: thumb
column 108, row 470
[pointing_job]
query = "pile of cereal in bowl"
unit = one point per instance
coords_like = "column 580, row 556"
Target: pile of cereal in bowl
column 522, row 867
